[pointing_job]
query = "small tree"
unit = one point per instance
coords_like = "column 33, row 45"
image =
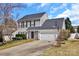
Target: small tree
column 78, row 29
column 72, row 30
column 1, row 38
column 63, row 35
column 69, row 26
column 6, row 14
column 68, row 23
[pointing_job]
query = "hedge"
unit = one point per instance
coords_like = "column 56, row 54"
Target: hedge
column 21, row 35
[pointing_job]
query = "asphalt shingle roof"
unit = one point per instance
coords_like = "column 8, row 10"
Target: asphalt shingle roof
column 50, row 24
column 36, row 16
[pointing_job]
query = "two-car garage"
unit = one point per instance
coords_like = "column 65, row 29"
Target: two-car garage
column 49, row 35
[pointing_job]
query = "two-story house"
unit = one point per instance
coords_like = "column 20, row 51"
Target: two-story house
column 38, row 26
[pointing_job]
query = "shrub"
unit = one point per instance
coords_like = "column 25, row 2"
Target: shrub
column 17, row 38
column 72, row 30
column 64, row 34
column 21, row 35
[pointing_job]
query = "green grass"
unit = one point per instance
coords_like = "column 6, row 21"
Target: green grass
column 14, row 43
column 70, row 48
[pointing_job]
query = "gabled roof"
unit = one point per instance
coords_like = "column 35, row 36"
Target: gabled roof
column 36, row 16
column 50, row 24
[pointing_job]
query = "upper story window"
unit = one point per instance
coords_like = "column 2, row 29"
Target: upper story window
column 26, row 24
column 22, row 24
column 32, row 23
column 19, row 25
column 37, row 23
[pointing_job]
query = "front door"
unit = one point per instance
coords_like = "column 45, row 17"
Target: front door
column 32, row 35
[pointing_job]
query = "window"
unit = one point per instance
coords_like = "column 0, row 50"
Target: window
column 32, row 24
column 22, row 24
column 26, row 23
column 37, row 23
column 18, row 32
column 18, row 25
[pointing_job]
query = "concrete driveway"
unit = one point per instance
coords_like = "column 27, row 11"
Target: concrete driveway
column 29, row 49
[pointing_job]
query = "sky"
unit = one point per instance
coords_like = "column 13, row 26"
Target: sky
column 54, row 10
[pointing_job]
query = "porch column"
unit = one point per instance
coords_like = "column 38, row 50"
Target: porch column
column 29, row 35
column 36, row 35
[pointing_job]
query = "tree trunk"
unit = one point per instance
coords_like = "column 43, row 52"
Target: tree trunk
column 1, row 36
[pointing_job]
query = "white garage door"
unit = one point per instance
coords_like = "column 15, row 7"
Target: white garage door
column 48, row 37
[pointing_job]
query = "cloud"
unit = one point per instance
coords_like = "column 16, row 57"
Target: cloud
column 75, row 9
column 43, row 5
column 30, row 4
column 50, row 16
column 55, row 9
column 73, row 14
column 66, row 13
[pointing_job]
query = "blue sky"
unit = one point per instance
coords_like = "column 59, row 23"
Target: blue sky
column 54, row 10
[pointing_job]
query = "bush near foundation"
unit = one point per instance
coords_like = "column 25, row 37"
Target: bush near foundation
column 23, row 36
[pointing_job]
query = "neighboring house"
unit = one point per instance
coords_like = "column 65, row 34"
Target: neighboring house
column 38, row 26
column 75, row 28
column 76, row 34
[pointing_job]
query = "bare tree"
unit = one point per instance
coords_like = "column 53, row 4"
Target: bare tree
column 6, row 10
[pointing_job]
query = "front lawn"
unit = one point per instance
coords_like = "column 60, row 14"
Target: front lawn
column 14, row 43
column 70, row 48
